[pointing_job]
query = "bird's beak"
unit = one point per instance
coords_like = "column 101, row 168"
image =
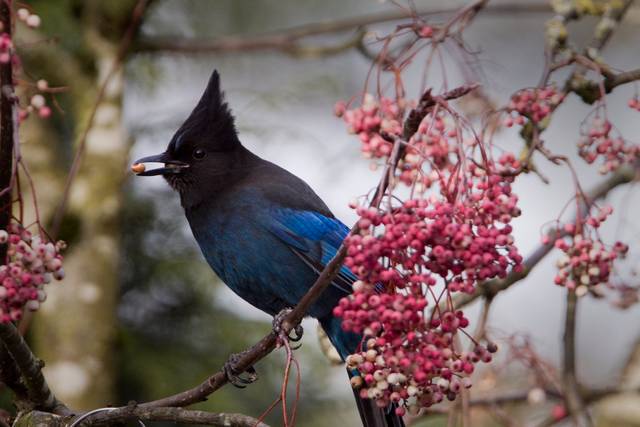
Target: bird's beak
column 170, row 166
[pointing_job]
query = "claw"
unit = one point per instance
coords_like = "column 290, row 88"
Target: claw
column 294, row 335
column 235, row 377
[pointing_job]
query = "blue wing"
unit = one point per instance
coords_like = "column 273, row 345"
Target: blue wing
column 315, row 238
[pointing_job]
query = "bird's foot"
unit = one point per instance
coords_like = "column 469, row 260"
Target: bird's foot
column 234, row 376
column 294, row 335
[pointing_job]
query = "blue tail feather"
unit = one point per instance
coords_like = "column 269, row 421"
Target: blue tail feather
column 345, row 342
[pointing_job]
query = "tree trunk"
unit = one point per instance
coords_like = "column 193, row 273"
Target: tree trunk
column 75, row 329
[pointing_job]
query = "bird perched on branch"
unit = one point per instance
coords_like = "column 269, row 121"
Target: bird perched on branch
column 263, row 230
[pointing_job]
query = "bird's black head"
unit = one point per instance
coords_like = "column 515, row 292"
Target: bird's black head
column 203, row 148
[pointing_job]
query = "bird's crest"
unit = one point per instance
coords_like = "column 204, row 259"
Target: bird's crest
column 211, row 120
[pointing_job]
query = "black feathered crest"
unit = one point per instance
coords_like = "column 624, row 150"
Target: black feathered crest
column 210, row 121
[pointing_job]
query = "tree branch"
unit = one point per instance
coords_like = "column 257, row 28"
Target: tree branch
column 174, row 415
column 179, row 415
column 573, row 400
column 622, row 78
column 287, row 40
column 38, row 392
column 607, row 26
column 588, row 90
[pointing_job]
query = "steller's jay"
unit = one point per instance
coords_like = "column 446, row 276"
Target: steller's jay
column 264, row 231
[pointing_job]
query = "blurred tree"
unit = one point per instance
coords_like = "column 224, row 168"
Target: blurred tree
column 75, row 334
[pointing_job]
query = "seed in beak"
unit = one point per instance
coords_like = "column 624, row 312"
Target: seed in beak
column 138, row 168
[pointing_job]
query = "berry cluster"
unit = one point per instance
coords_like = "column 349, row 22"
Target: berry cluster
column 38, row 103
column 31, row 263
column 534, row 104
column 634, row 103
column 406, row 252
column 414, row 369
column 598, row 141
column 373, row 121
column 6, row 46
column 461, row 241
column 586, row 260
column 30, row 19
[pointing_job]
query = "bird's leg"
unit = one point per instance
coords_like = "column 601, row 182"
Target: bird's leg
column 234, row 376
column 294, row 335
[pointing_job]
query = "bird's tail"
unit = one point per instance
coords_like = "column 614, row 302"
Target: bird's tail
column 347, row 343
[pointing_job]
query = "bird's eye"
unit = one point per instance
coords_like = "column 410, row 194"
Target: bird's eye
column 199, row 153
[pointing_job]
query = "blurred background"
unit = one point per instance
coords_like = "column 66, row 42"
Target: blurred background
column 141, row 315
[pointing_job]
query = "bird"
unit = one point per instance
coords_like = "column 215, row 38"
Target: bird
column 264, row 232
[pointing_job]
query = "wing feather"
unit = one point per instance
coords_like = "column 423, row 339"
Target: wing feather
column 315, row 239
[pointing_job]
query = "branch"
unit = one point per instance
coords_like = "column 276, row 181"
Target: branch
column 606, row 27
column 179, row 415
column 10, row 376
column 490, row 289
column 518, row 397
column 287, row 40
column 283, row 40
column 621, row 78
column 591, row 91
column 174, row 415
column 589, row 397
column 588, row 90
column 573, row 400
column 489, row 402
column 38, row 392
column 38, row 418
